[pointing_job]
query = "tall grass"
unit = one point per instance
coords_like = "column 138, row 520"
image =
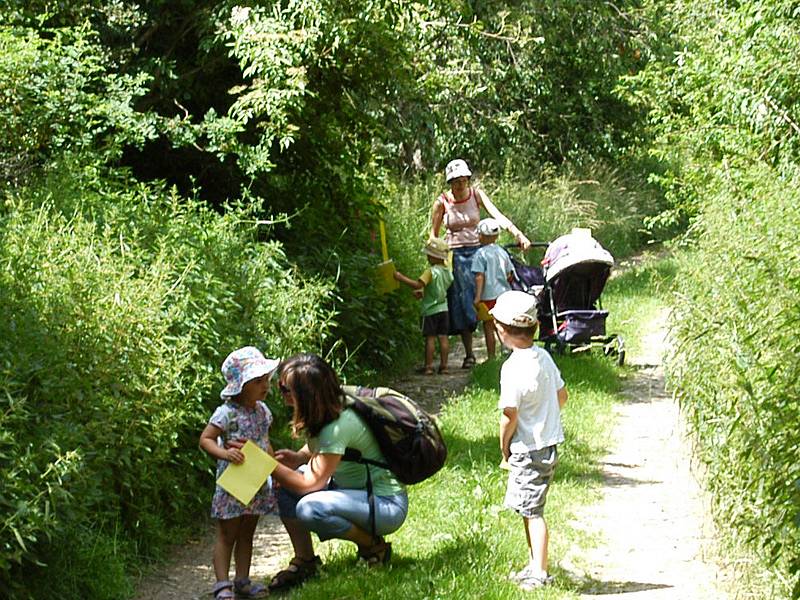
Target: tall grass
column 613, row 205
column 736, row 366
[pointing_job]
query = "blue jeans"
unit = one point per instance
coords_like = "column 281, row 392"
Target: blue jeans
column 330, row 513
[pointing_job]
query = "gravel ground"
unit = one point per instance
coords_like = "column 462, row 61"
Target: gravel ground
column 653, row 520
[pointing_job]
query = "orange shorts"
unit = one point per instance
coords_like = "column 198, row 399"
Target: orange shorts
column 484, row 306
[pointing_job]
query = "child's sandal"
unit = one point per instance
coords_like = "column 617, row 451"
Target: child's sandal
column 443, row 371
column 245, row 588
column 468, row 363
column 223, row 590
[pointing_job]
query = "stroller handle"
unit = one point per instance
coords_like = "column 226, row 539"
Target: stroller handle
column 533, row 245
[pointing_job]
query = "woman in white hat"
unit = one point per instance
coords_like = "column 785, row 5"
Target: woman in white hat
column 459, row 211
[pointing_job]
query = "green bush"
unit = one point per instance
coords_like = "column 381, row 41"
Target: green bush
column 736, row 363
column 120, row 303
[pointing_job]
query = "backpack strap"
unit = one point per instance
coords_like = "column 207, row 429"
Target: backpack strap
column 353, row 455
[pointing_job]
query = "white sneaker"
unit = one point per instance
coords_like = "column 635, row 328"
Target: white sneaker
column 528, row 580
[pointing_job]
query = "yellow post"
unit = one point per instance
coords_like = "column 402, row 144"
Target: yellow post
column 385, row 271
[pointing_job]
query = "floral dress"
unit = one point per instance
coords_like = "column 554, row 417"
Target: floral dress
column 240, row 423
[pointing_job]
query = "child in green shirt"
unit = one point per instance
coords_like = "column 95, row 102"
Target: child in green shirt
column 432, row 286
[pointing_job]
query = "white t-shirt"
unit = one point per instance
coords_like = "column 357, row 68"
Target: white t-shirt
column 529, row 381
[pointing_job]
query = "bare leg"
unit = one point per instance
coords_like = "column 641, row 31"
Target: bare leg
column 300, row 538
column 466, row 339
column 430, row 347
column 243, row 551
column 359, row 536
column 489, row 335
column 227, row 531
column 374, row 549
column 538, row 537
column 444, row 351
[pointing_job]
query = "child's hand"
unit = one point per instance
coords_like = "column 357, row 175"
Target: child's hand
column 234, row 455
column 238, row 444
column 418, row 294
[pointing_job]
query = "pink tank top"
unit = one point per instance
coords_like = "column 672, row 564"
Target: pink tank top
column 461, row 219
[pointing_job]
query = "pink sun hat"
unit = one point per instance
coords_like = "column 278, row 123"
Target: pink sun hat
column 241, row 366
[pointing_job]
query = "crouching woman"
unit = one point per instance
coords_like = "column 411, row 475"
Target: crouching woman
column 319, row 491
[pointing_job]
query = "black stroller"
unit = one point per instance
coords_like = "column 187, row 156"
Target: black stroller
column 571, row 317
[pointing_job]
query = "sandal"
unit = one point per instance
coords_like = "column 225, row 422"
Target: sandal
column 296, row 573
column 469, row 362
column 245, row 588
column 223, row 590
column 378, row 554
column 443, row 371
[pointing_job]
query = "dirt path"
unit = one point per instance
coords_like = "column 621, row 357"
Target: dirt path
column 650, row 522
column 190, row 576
column 652, row 519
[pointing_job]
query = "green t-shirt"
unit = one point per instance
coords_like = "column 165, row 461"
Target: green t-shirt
column 437, row 279
column 350, row 431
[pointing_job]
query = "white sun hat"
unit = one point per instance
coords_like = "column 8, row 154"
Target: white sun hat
column 489, row 226
column 241, row 366
column 456, row 168
column 515, row 308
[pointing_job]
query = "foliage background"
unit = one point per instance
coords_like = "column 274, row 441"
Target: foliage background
column 182, row 178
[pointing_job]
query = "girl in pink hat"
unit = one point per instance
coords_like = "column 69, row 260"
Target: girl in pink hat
column 242, row 416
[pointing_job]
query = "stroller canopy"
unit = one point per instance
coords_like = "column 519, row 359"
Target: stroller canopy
column 575, row 248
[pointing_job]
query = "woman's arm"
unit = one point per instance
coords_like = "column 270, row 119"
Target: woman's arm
column 437, row 216
column 504, row 221
column 293, row 458
column 562, row 397
column 321, row 469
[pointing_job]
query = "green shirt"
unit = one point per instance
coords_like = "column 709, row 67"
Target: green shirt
column 350, row 431
column 437, row 278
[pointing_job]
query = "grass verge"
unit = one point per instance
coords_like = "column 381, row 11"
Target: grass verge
column 458, row 541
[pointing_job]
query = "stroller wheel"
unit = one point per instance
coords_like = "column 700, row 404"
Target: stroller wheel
column 620, row 351
column 621, row 358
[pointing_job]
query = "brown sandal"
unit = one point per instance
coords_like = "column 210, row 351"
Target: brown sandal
column 379, row 553
column 296, row 573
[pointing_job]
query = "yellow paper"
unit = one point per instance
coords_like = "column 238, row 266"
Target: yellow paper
column 386, row 281
column 244, row 480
